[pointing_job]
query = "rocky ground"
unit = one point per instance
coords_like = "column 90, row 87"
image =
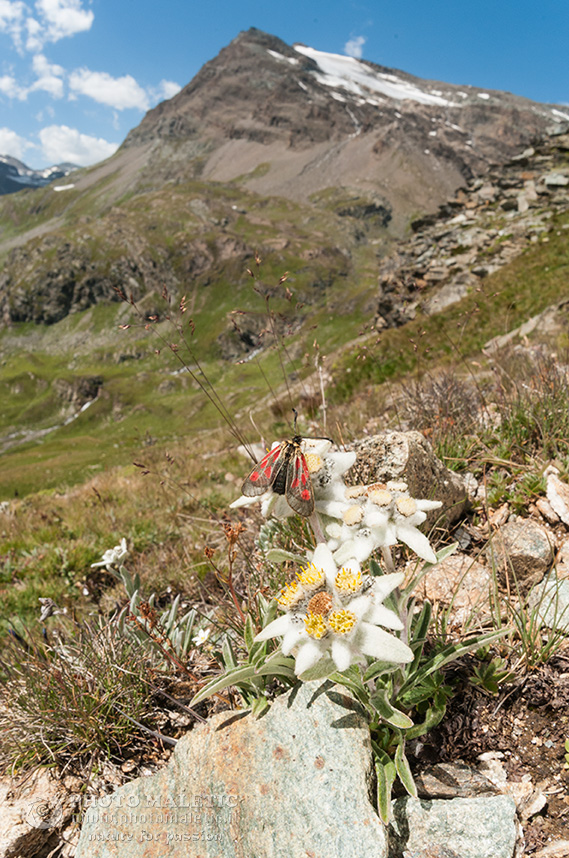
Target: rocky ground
column 486, row 225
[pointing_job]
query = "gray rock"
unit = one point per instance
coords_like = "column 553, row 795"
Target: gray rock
column 296, row 782
column 556, row 180
column 453, row 780
column 550, row 599
column 408, row 456
column 522, row 547
column 458, row 828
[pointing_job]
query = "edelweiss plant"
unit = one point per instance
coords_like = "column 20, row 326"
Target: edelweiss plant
column 344, row 617
column 337, row 613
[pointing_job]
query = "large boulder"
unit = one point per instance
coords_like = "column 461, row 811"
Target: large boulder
column 295, row 782
column 408, row 456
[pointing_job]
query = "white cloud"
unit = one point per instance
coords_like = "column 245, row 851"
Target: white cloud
column 49, row 76
column 12, row 15
column 354, row 47
column 50, row 21
column 118, row 92
column 11, row 88
column 167, row 89
column 57, row 20
column 12, row 144
column 61, row 143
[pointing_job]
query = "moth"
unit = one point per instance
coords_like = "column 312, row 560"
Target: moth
column 285, row 471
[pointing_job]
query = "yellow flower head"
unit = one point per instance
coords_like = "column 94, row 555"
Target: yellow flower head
column 314, row 462
column 406, row 506
column 315, row 626
column 354, row 492
column 381, row 497
column 342, row 622
column 290, row 595
column 310, row 577
column 348, row 581
column 353, row 515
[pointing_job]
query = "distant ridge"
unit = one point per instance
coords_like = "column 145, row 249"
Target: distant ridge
column 15, row 175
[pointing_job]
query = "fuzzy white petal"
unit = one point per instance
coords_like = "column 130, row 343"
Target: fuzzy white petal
column 415, row 520
column 322, row 559
column 293, row 637
column 342, row 462
column 279, row 626
column 334, row 530
column 417, row 541
column 318, row 446
column 308, row 654
column 385, row 535
column 276, row 506
column 375, row 517
column 426, row 505
column 359, row 548
column 342, row 653
column 379, row 615
column 245, row 501
column 332, row 508
column 383, row 585
column 379, row 644
column 361, row 605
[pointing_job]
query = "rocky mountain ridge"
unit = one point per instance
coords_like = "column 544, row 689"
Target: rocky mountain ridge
column 488, row 223
column 15, row 175
column 301, row 124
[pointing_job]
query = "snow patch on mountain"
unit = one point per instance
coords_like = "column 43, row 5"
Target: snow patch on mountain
column 358, row 78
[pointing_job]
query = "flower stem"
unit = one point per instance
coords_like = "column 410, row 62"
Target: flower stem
column 387, row 559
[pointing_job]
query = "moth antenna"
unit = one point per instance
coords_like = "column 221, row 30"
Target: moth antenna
column 258, row 433
column 295, row 412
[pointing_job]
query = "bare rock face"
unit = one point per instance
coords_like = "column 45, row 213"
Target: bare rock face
column 522, row 548
column 408, row 456
column 296, row 782
column 35, row 814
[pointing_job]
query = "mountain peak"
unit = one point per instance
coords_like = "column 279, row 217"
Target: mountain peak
column 293, row 121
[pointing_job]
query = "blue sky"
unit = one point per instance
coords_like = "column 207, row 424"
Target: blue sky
column 77, row 75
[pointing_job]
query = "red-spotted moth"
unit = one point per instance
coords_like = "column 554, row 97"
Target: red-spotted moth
column 284, row 469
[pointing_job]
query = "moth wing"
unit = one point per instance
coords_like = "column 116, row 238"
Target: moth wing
column 299, row 491
column 261, row 477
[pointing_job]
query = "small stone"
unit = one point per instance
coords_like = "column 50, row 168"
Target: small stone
column 562, row 560
column 453, row 780
column 546, row 510
column 558, row 496
column 458, row 579
column 522, row 548
column 550, row 599
column 483, row 827
column 556, row 180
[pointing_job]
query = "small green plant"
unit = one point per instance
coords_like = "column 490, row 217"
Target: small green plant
column 530, row 636
column 490, row 675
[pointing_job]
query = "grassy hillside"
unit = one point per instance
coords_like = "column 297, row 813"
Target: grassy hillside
column 145, row 397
